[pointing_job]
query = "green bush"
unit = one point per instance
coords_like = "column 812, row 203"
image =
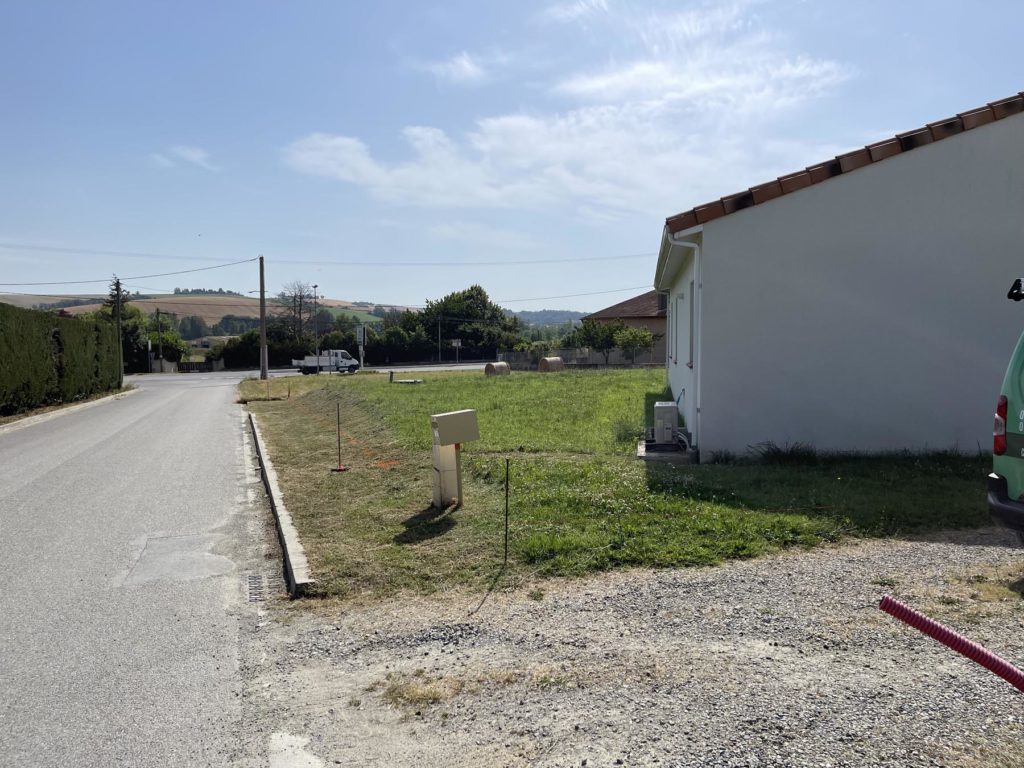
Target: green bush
column 47, row 359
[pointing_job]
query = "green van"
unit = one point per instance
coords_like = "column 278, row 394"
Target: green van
column 1006, row 482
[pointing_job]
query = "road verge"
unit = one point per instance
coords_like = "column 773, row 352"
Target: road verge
column 297, row 575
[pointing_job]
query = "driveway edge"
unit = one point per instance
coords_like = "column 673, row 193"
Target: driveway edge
column 296, row 568
column 28, row 421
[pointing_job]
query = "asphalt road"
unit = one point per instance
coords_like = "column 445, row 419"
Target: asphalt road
column 126, row 534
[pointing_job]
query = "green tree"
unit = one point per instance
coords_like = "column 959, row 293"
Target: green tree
column 193, row 327
column 174, row 347
column 596, row 335
column 470, row 315
column 632, row 340
column 133, row 330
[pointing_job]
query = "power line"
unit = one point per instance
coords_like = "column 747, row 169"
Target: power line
column 308, row 262
column 570, row 295
column 102, row 252
column 499, row 263
column 136, row 277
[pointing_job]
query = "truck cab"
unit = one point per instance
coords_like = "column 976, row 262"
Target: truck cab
column 1006, row 482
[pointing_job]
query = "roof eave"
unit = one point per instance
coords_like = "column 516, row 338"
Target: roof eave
column 662, row 275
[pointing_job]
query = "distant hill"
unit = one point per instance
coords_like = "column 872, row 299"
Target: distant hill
column 546, row 316
column 212, row 306
column 28, row 301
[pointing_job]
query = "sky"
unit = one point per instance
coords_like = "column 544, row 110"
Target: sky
column 397, row 151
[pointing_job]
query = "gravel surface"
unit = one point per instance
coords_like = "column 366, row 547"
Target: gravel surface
column 777, row 661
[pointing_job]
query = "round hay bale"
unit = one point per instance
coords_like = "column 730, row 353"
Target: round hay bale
column 551, row 364
column 497, row 369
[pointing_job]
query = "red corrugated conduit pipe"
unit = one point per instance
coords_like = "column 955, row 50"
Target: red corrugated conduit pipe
column 954, row 640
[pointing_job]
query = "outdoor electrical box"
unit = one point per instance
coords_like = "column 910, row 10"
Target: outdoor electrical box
column 450, row 430
column 666, row 420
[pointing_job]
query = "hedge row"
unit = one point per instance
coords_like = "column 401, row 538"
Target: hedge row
column 46, row 359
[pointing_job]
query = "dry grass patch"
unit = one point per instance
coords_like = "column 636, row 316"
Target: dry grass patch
column 977, row 596
column 421, row 691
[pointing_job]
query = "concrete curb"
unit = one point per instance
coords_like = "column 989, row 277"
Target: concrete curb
column 28, row 421
column 296, row 568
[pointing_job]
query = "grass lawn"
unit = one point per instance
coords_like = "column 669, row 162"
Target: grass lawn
column 579, row 500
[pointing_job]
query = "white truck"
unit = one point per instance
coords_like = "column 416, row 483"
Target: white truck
column 329, row 360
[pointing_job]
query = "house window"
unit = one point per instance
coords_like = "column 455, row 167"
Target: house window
column 690, row 363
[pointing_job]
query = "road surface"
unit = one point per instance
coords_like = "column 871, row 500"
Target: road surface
column 128, row 531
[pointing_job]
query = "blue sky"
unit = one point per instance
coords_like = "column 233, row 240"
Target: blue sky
column 318, row 133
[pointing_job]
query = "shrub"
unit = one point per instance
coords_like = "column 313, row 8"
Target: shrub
column 47, row 359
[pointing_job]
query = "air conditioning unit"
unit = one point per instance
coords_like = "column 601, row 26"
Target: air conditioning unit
column 666, row 421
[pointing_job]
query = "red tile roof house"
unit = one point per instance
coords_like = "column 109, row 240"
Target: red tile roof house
column 644, row 311
column 857, row 305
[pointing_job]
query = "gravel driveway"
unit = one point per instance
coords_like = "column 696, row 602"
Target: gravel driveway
column 776, row 661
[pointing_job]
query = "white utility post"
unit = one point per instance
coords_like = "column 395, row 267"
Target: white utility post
column 450, row 431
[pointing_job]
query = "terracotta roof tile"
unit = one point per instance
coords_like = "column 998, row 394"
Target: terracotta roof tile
column 794, row 181
column 683, row 221
column 1006, row 107
column 976, row 117
column 915, row 138
column 644, row 305
column 823, row 171
column 709, row 211
column 738, row 201
column 765, row 192
column 945, row 128
column 847, row 162
column 851, row 161
column 883, row 149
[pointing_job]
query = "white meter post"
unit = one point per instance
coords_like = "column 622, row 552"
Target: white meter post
column 450, row 431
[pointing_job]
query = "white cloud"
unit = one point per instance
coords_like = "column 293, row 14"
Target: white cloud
column 439, row 175
column 601, row 161
column 756, row 83
column 574, row 10
column 196, row 156
column 160, row 160
column 715, row 57
column 667, row 127
column 460, row 69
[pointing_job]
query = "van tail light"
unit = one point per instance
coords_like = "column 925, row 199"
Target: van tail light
column 999, row 428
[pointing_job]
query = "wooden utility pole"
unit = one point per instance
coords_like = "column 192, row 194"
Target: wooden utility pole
column 120, row 343
column 316, row 331
column 159, row 340
column 263, row 325
column 439, row 338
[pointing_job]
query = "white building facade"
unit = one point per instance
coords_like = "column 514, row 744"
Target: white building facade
column 859, row 305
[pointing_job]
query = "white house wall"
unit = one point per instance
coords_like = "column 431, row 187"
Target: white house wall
column 680, row 375
column 867, row 312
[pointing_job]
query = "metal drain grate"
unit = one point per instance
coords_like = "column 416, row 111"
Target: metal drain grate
column 256, row 586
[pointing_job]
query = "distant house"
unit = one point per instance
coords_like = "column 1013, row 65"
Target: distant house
column 644, row 311
column 858, row 304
